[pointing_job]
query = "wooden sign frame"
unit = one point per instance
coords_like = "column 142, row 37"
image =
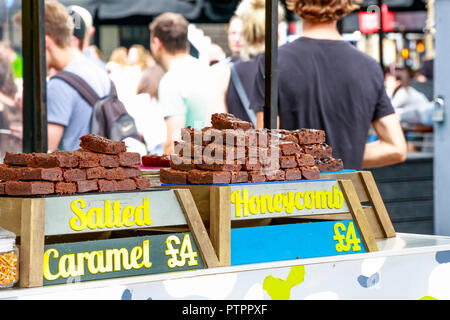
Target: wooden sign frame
column 26, row 217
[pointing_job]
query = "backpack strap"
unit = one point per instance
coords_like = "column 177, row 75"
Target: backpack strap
column 242, row 94
column 83, row 88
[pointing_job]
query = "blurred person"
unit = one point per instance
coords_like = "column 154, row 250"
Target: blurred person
column 423, row 79
column 9, row 110
column 215, row 54
column 145, row 109
column 137, row 56
column 68, row 114
column 118, row 60
column 14, row 59
column 185, row 91
column 236, row 79
column 326, row 83
column 412, row 106
column 85, row 24
column 234, row 37
column 95, row 51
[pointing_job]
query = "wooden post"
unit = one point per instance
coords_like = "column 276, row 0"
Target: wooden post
column 197, row 228
column 32, row 238
column 220, row 223
column 358, row 215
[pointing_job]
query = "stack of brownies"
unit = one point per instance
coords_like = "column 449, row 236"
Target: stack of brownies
column 101, row 165
column 231, row 151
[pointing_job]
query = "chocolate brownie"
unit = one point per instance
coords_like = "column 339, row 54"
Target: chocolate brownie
column 95, row 173
column 251, row 164
column 126, row 185
column 96, row 143
column 87, row 159
column 275, row 175
column 211, row 164
column 154, row 160
column 107, row 185
column 304, row 160
column 188, row 150
column 288, row 162
column 256, row 176
column 42, row 160
column 310, row 136
column 72, row 175
column 199, row 136
column 329, row 164
column 224, row 152
column 239, row 176
column 115, row 174
column 8, row 173
column 289, row 137
column 310, row 173
column 229, row 121
column 131, row 172
column 289, row 148
column 84, row 186
column 108, row 160
column 142, row 183
column 319, row 150
column 46, row 174
column 293, row 174
column 28, row 188
column 66, row 159
column 129, row 159
column 171, row 176
column 181, row 163
column 2, row 188
column 65, row 188
column 15, row 159
column 209, row 177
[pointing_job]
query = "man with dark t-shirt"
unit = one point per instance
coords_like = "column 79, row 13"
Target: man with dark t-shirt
column 325, row 83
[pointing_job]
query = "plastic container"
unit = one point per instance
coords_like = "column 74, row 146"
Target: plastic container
column 9, row 259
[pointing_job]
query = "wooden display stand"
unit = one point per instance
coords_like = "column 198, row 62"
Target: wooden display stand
column 38, row 221
column 362, row 198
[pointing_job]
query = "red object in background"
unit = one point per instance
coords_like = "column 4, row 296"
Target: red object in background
column 369, row 21
column 153, row 160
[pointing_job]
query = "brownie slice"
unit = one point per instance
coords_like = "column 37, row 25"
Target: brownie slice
column 289, row 148
column 129, row 159
column 319, row 150
column 96, row 143
column 209, row 177
column 310, row 136
column 15, row 159
column 154, row 160
column 29, row 188
column 229, row 121
column 66, row 159
column 131, row 172
column 84, row 186
column 188, row 150
column 44, row 160
column 288, row 162
column 293, row 174
column 108, row 160
column 87, row 159
column 73, row 175
column 95, row 173
column 115, row 174
column 251, row 164
column 126, row 185
column 2, row 188
column 304, row 160
column 65, row 188
column 210, row 164
column 107, row 185
column 224, row 152
column 239, row 177
column 171, row 176
column 310, row 173
column 46, row 174
column 142, row 183
column 8, row 173
column 276, row 175
column 329, row 164
column 256, row 176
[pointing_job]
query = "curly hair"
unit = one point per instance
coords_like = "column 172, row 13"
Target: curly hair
column 321, row 11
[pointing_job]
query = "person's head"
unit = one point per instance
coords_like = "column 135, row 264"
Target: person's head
column 168, row 35
column 137, row 56
column 397, row 77
column 215, row 54
column 7, row 84
column 234, row 35
column 119, row 56
column 59, row 27
column 253, row 16
column 149, row 82
column 83, row 22
column 321, row 11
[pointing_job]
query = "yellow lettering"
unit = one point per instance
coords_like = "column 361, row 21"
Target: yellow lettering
column 254, row 205
column 266, row 203
column 94, row 218
column 47, row 274
column 79, row 222
column 67, row 266
column 338, row 197
column 309, row 199
column 321, row 198
column 108, row 214
column 299, row 195
column 238, row 201
column 288, row 200
column 127, row 214
column 142, row 213
column 116, row 213
column 146, row 249
column 277, row 200
column 135, row 255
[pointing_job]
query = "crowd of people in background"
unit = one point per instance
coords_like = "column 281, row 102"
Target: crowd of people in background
column 164, row 88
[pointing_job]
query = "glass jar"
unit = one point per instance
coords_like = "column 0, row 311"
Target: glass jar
column 9, row 259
